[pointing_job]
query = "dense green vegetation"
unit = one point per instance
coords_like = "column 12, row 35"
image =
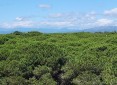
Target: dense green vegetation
column 35, row 58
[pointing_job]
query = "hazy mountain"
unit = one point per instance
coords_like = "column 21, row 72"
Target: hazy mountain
column 102, row 29
column 62, row 30
column 44, row 30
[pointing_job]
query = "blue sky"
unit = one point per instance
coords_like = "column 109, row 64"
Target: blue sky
column 57, row 14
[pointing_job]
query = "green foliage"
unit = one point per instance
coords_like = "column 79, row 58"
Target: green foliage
column 47, row 79
column 33, row 33
column 87, row 78
column 41, row 70
column 3, row 39
column 17, row 33
column 12, row 80
column 35, row 58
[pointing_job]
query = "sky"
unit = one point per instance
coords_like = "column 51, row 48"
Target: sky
column 57, row 14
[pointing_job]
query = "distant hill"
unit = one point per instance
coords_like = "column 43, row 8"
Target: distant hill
column 44, row 30
column 62, row 30
column 102, row 29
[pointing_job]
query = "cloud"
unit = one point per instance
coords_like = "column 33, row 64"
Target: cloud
column 112, row 12
column 57, row 15
column 19, row 18
column 104, row 22
column 64, row 20
column 58, row 24
column 46, row 6
column 16, row 24
column 58, row 20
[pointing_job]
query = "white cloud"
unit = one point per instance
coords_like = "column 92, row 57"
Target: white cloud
column 17, row 24
column 57, row 15
column 59, row 20
column 104, row 22
column 44, row 6
column 19, row 18
column 60, row 24
column 65, row 20
column 112, row 12
column 91, row 15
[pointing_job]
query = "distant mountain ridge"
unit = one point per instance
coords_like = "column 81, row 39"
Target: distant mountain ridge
column 62, row 30
column 102, row 29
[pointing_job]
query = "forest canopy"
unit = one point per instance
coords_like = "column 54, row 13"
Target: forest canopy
column 35, row 58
